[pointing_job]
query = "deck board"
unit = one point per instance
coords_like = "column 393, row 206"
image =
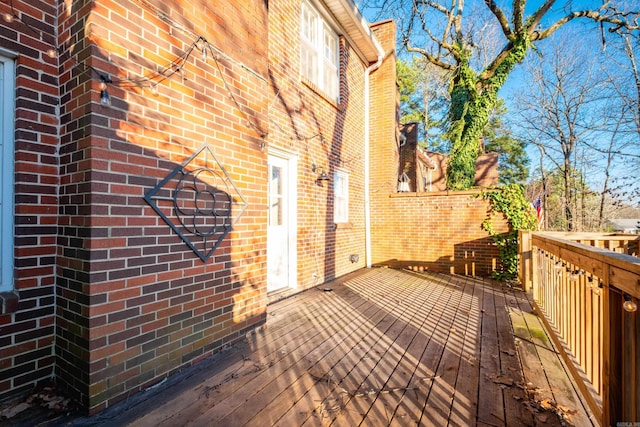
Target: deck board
column 329, row 368
column 510, row 367
column 490, row 402
column 443, row 390
column 383, row 347
column 291, row 362
column 465, row 403
column 411, row 382
column 378, row 396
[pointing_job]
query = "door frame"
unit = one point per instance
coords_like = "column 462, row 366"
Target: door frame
column 7, row 158
column 291, row 195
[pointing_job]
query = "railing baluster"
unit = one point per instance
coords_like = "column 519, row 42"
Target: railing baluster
column 578, row 290
column 589, row 325
column 573, row 307
column 597, row 339
column 580, row 350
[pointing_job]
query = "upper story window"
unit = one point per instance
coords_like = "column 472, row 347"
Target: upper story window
column 319, row 52
column 7, row 115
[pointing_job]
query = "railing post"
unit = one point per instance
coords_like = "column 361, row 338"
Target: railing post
column 536, row 268
column 525, row 272
column 611, row 353
column 606, row 368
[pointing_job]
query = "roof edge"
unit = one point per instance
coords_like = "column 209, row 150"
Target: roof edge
column 348, row 15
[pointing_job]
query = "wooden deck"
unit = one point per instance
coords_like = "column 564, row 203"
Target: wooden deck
column 380, row 347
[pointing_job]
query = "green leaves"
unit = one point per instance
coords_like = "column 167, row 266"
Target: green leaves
column 473, row 98
column 517, row 210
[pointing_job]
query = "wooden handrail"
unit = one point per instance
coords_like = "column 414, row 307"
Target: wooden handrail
column 579, row 290
column 617, row 242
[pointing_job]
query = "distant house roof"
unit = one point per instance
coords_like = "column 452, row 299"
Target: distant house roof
column 625, row 225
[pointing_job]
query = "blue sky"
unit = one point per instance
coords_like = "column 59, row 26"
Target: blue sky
column 519, row 79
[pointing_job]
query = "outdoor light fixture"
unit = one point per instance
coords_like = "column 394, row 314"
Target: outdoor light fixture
column 403, row 184
column 597, row 290
column 324, row 176
column 575, row 274
column 104, row 95
column 204, row 50
column 629, row 305
column 104, row 98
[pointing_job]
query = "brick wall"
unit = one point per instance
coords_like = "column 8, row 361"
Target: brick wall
column 435, row 177
column 321, row 132
column 385, row 137
column 126, row 299
column 439, row 231
column 27, row 335
column 135, row 304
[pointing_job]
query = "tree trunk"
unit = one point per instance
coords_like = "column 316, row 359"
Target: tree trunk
column 543, row 174
column 472, row 101
column 568, row 214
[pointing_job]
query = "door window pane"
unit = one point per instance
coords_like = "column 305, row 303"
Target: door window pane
column 275, row 196
column 341, row 197
column 7, row 114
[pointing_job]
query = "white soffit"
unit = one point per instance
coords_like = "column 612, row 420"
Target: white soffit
column 356, row 27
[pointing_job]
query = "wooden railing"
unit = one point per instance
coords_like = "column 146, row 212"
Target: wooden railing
column 616, row 242
column 581, row 290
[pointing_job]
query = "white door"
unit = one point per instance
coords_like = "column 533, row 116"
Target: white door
column 281, row 246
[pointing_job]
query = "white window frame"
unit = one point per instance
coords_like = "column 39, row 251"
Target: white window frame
column 319, row 51
column 340, row 197
column 7, row 115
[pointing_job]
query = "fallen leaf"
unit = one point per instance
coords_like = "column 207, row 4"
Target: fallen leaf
column 500, row 379
column 15, row 410
column 547, row 404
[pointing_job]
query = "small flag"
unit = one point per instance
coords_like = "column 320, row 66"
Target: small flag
column 537, row 205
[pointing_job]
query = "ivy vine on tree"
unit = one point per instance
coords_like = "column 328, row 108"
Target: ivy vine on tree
column 478, row 60
column 511, row 202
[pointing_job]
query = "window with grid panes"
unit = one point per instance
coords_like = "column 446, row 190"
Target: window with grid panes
column 319, row 52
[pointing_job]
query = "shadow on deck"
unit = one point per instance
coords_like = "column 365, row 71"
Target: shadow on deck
column 377, row 347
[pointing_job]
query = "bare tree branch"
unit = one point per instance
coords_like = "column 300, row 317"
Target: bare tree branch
column 534, row 20
column 434, row 6
column 457, row 21
column 434, row 60
column 591, row 14
column 445, row 33
column 500, row 16
column 636, row 77
column 442, row 44
column 518, row 14
column 596, row 148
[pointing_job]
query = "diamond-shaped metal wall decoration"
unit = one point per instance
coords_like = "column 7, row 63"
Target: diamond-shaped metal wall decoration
column 199, row 201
